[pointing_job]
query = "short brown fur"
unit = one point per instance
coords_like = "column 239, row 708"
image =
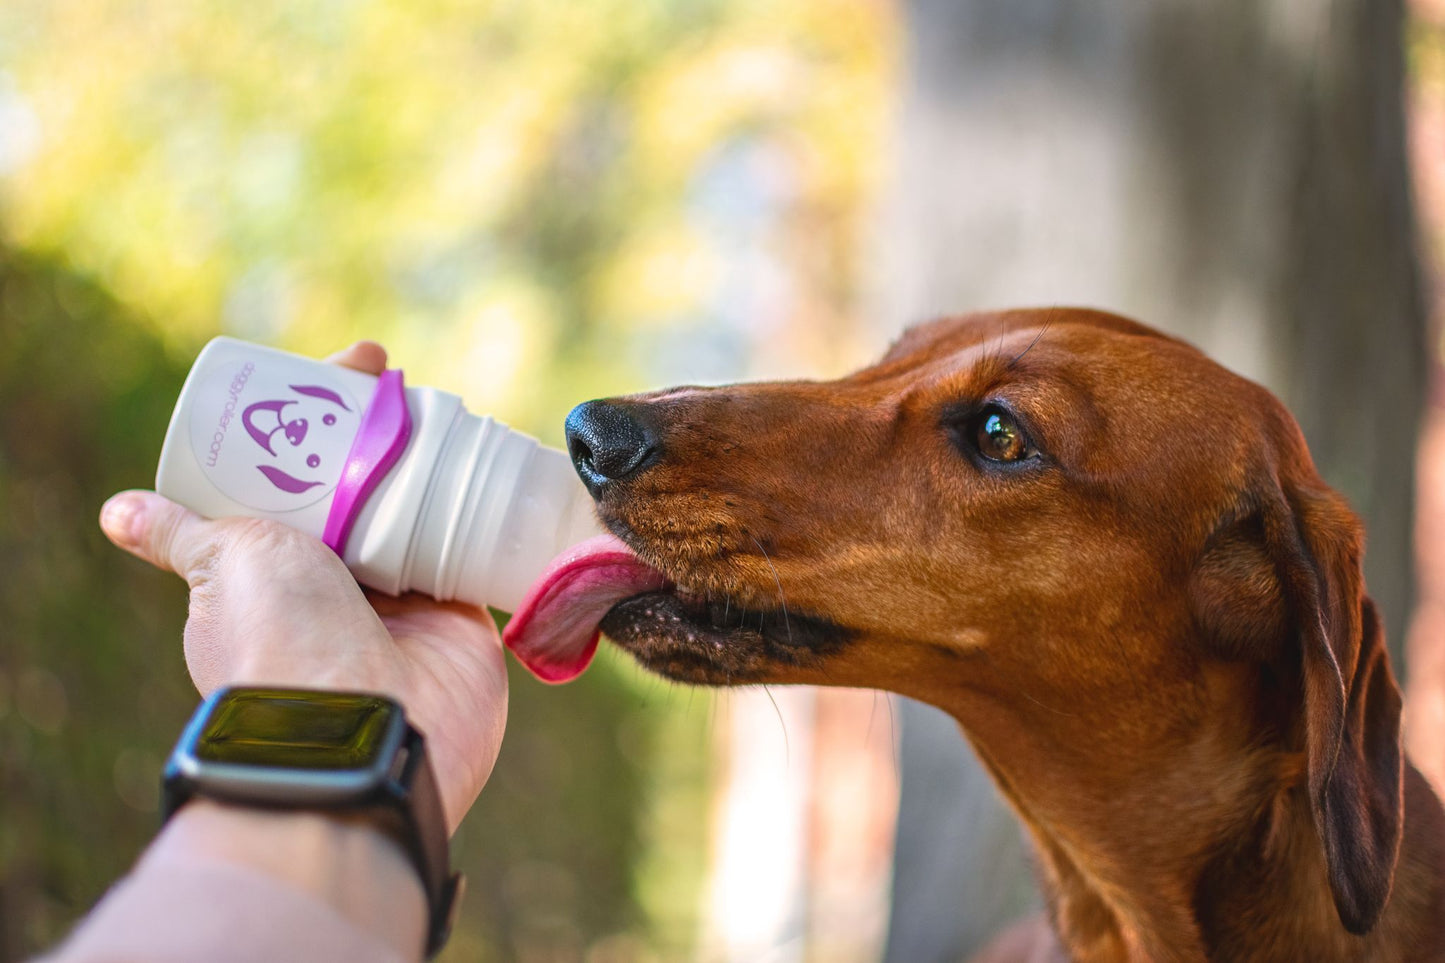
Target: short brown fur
column 1154, row 634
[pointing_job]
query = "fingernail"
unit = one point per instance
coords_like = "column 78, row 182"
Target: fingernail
column 120, row 518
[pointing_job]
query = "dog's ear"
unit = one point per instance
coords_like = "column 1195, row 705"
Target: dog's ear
column 1281, row 582
column 1351, row 702
column 1235, row 593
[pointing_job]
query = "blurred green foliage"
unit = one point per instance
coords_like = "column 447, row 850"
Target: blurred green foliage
column 91, row 681
column 523, row 201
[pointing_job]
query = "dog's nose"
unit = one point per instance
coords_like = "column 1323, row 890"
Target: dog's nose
column 607, row 443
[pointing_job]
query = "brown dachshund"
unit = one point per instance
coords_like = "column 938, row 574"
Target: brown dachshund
column 1110, row 559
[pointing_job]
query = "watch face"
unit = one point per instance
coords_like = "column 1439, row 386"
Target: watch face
column 293, row 730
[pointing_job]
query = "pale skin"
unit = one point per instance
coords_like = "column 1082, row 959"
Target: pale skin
column 269, row 605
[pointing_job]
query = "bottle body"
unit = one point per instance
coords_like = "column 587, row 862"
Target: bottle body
column 462, row 508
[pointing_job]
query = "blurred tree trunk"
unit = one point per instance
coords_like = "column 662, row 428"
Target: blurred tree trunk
column 1231, row 171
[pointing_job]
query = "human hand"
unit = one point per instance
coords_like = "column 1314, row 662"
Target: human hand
column 272, row 606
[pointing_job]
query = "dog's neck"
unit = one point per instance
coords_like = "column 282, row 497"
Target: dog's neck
column 1201, row 849
column 1109, row 859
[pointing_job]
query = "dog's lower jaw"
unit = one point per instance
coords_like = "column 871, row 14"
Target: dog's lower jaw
column 710, row 643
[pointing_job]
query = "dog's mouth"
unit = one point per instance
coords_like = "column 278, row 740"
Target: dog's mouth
column 602, row 586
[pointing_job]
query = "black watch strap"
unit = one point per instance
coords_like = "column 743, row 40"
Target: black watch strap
column 425, row 845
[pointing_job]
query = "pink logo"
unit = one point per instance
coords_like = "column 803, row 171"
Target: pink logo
column 292, row 430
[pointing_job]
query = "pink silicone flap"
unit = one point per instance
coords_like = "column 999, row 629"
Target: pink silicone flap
column 385, row 430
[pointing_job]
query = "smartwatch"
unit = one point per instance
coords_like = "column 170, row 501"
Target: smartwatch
column 319, row 750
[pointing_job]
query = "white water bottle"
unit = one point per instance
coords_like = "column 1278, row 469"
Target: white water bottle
column 411, row 490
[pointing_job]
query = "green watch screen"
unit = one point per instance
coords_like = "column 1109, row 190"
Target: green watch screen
column 315, row 731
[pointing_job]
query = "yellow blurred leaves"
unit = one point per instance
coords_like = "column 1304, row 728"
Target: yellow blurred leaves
column 465, row 181
column 658, row 276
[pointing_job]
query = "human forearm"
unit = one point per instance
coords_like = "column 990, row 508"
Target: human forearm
column 308, row 881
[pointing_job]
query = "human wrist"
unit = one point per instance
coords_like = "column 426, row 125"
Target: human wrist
column 335, row 857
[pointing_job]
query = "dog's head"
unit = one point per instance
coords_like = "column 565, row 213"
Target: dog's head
column 1054, row 518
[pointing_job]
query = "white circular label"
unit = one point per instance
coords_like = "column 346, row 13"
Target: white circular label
column 272, row 442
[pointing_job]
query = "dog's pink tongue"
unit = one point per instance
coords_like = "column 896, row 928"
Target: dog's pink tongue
column 554, row 630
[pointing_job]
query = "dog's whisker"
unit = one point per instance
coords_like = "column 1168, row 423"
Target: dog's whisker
column 1048, row 320
column 894, row 749
column 782, row 724
column 779, row 582
column 1042, row 705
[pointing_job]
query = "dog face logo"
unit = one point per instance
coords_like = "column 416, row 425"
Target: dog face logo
column 270, row 440
column 288, row 430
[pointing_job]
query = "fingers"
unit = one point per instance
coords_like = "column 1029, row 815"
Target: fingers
column 450, row 619
column 367, row 356
column 163, row 533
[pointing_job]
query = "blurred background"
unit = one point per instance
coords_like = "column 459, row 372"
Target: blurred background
column 535, row 202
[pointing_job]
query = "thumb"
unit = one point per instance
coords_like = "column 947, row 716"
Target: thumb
column 167, row 535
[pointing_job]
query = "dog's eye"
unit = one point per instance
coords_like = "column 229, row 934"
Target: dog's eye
column 999, row 437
